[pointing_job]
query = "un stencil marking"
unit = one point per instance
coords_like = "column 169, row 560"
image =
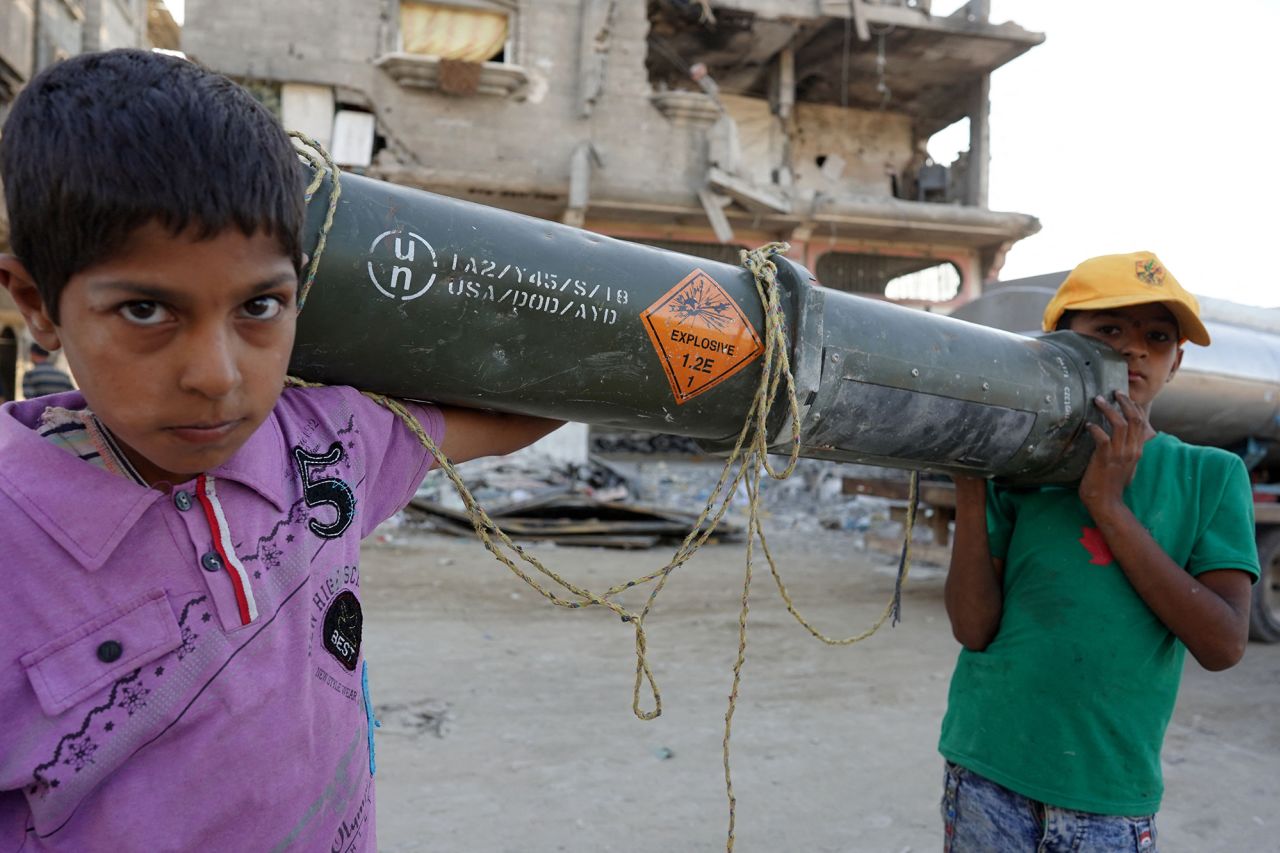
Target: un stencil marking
column 400, row 284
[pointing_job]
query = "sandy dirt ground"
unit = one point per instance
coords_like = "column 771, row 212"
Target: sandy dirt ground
column 508, row 726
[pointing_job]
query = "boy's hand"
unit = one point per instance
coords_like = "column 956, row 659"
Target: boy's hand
column 1209, row 612
column 1115, row 457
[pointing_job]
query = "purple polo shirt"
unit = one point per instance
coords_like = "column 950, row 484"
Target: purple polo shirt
column 182, row 670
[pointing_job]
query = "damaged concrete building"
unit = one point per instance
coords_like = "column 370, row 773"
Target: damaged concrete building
column 700, row 126
column 696, row 125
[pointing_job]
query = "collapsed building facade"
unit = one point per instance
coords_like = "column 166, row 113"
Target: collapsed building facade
column 704, row 127
column 700, row 127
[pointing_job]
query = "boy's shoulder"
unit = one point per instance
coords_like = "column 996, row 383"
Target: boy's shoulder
column 53, row 502
column 306, row 408
column 27, row 457
column 335, row 434
column 316, row 418
column 311, row 432
column 348, row 411
column 1166, row 460
column 1174, row 473
column 303, row 406
column 301, row 413
column 1167, row 449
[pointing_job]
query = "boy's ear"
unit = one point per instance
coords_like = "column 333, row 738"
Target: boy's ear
column 15, row 278
column 1177, row 362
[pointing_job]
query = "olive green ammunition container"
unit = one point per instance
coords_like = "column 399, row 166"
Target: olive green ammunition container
column 427, row 297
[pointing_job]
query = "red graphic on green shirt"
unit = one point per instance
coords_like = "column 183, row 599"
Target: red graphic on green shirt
column 1099, row 551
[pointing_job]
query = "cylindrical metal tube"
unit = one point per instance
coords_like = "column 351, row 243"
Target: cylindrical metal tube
column 1228, row 393
column 897, row 384
column 420, row 295
column 1225, row 395
column 428, row 297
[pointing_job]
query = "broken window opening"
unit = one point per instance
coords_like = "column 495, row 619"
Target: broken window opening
column 892, row 277
column 876, row 93
column 355, row 136
column 737, row 44
column 937, row 169
column 943, row 8
column 948, row 144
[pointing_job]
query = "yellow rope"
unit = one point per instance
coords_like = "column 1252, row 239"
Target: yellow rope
column 321, row 162
column 748, row 461
column 891, row 607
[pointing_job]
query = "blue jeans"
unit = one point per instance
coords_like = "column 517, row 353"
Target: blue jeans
column 979, row 816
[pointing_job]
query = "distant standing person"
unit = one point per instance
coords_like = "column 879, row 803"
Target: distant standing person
column 43, row 378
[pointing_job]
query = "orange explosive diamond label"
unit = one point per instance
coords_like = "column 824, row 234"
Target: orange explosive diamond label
column 701, row 335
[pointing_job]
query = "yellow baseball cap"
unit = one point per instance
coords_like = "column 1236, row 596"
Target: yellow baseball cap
column 1115, row 281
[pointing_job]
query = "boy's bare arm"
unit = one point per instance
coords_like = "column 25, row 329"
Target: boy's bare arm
column 470, row 434
column 974, row 592
column 1210, row 614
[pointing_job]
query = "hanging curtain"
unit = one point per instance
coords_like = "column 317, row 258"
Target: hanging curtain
column 449, row 32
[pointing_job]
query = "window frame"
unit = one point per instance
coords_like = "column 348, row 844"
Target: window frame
column 510, row 8
column 505, row 79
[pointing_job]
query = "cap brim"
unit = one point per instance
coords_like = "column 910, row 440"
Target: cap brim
column 1189, row 325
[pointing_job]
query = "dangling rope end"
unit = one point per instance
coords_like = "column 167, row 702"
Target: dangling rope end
column 904, row 561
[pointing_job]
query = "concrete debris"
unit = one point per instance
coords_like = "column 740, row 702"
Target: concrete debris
column 590, row 505
column 639, row 502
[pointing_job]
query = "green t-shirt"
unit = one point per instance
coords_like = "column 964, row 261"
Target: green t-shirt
column 1069, row 703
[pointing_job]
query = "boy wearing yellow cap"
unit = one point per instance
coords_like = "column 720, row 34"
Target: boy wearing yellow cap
column 1076, row 605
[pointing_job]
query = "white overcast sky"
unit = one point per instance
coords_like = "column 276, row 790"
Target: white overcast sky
column 1143, row 124
column 1139, row 124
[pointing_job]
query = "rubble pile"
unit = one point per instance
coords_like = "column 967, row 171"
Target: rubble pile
column 592, row 504
column 640, row 503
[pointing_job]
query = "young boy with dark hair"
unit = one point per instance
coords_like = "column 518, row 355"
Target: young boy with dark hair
column 1076, row 605
column 182, row 664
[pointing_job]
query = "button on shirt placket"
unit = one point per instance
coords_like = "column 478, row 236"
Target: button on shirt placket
column 201, row 512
